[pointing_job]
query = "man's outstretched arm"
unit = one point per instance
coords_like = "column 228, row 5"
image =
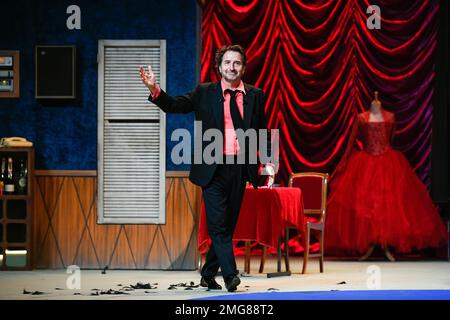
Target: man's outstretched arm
column 179, row 104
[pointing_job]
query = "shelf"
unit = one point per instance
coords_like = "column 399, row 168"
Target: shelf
column 15, row 149
column 13, row 220
column 14, row 245
column 16, row 232
column 14, row 197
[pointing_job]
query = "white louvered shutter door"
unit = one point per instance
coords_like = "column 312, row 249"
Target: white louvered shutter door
column 131, row 157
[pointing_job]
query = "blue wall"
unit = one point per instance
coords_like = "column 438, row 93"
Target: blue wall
column 65, row 133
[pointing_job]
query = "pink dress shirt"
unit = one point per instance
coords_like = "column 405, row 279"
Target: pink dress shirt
column 230, row 143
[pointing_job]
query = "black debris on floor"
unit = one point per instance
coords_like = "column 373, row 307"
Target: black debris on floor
column 109, row 291
column 141, row 285
column 33, row 293
column 124, row 290
column 185, row 285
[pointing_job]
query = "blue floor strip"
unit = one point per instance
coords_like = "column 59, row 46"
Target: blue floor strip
column 339, row 295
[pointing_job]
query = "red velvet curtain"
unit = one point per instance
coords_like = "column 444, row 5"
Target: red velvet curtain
column 319, row 65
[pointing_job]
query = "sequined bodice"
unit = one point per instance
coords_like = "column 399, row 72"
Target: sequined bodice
column 376, row 136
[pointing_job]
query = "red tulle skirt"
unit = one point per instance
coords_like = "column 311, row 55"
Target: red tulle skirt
column 380, row 200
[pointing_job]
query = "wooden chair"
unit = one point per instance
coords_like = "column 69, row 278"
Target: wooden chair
column 314, row 190
column 314, row 187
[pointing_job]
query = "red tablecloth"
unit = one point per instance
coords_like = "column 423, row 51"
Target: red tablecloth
column 264, row 215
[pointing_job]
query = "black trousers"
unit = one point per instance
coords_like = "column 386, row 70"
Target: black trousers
column 223, row 198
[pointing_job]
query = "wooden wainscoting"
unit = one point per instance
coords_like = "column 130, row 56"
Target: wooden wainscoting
column 66, row 230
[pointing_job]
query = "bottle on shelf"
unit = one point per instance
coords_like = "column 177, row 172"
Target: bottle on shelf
column 9, row 181
column 2, row 176
column 22, row 177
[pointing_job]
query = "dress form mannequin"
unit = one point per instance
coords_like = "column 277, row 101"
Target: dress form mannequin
column 376, row 115
column 376, row 199
column 375, row 110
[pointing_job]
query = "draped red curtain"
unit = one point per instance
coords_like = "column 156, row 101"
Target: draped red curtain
column 319, row 64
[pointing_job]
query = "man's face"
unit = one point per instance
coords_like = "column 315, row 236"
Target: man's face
column 232, row 68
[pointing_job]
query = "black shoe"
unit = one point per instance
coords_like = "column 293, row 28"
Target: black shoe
column 210, row 283
column 232, row 283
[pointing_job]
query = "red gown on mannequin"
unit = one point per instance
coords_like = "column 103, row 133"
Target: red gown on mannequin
column 377, row 199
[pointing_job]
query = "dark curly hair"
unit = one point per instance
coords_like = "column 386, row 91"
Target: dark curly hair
column 233, row 47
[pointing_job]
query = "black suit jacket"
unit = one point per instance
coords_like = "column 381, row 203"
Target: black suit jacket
column 207, row 103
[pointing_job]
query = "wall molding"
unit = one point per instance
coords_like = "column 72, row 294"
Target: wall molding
column 65, row 173
column 93, row 173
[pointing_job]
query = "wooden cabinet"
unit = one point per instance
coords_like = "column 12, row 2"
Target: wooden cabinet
column 16, row 208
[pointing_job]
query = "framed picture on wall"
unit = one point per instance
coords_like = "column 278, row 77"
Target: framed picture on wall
column 55, row 72
column 9, row 74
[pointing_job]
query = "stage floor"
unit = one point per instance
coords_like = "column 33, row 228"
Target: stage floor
column 176, row 285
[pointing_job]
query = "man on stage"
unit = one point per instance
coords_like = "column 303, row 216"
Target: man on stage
column 228, row 105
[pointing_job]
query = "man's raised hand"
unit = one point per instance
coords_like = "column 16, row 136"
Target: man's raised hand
column 148, row 78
